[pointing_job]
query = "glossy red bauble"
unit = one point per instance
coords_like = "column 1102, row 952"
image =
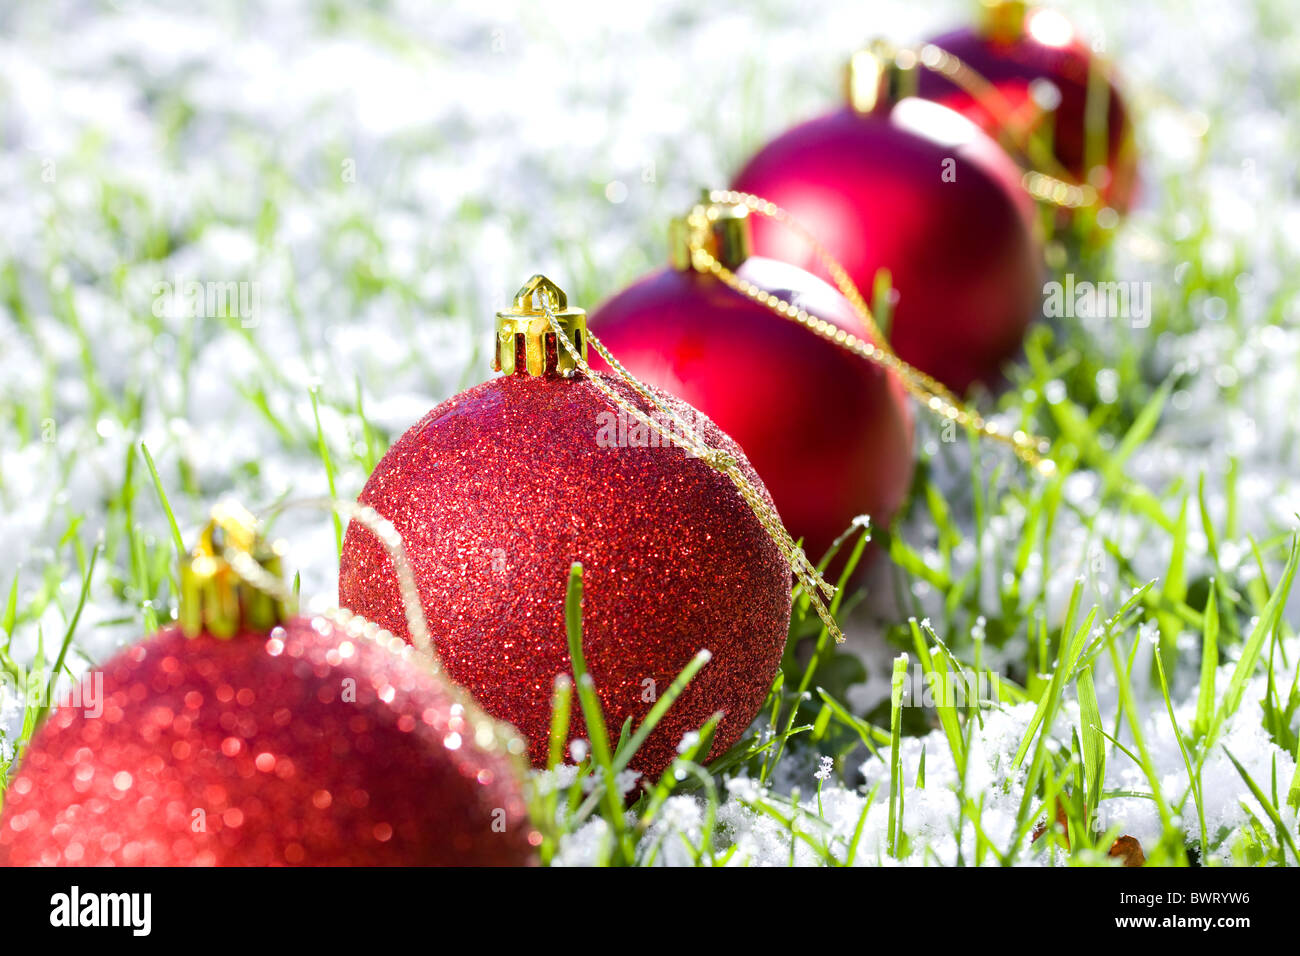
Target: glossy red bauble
column 308, row 744
column 829, row 432
column 916, row 189
column 1045, row 47
column 497, row 491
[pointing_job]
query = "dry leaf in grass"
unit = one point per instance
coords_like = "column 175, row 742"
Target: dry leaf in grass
column 1062, row 819
column 1129, row 850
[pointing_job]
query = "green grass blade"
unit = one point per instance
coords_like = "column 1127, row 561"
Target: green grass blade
column 1245, row 667
column 592, row 714
column 666, row 699
column 895, row 751
column 177, row 540
column 323, row 447
column 1093, row 743
column 938, row 676
column 9, row 619
column 1193, row 773
column 1209, row 666
column 68, row 634
column 1283, row 833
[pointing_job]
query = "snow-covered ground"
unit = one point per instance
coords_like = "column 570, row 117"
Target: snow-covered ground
column 381, row 183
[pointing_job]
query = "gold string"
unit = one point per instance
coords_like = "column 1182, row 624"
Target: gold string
column 930, row 393
column 389, row 538
column 819, row 591
column 488, row 732
column 1048, row 181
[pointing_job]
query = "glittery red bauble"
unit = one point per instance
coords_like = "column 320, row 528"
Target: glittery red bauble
column 1048, row 48
column 306, row 745
column 920, row 191
column 829, row 432
column 498, row 490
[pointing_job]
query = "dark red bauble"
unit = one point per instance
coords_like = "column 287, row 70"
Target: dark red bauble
column 497, row 491
column 1044, row 46
column 305, row 745
column 917, row 189
column 829, row 432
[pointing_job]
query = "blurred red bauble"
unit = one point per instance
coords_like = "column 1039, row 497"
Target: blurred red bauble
column 497, row 491
column 1040, row 66
column 829, row 432
column 303, row 742
column 911, row 187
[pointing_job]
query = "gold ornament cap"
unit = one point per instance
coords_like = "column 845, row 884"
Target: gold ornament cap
column 1002, row 21
column 879, row 75
column 723, row 230
column 228, row 578
column 525, row 342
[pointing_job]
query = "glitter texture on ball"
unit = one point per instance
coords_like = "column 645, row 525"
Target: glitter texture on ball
column 309, row 744
column 497, row 491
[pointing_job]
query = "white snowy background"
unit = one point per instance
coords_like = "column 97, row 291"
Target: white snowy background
column 388, row 174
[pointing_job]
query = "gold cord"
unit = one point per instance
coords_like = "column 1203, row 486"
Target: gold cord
column 488, row 732
column 1048, row 181
column 930, row 393
column 819, row 591
column 389, row 538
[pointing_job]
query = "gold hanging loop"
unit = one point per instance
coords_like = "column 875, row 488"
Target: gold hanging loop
column 224, row 579
column 525, row 342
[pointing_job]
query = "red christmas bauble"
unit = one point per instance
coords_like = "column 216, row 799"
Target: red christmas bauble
column 497, row 491
column 829, row 432
column 917, row 189
column 1017, row 49
column 307, row 744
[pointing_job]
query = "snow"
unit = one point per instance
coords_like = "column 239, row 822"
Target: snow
column 576, row 126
